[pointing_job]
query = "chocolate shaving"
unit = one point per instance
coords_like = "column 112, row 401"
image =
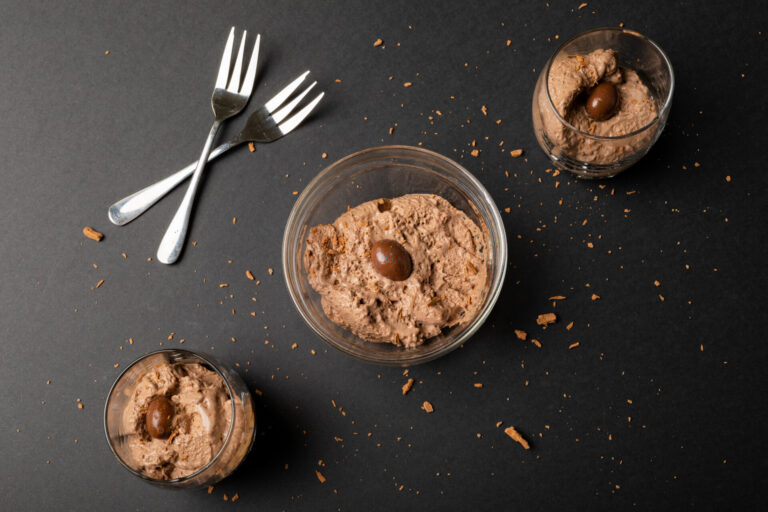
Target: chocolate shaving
column 92, row 234
column 407, row 386
column 516, row 436
column 546, row 319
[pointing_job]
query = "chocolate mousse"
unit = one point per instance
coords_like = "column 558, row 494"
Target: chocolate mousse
column 399, row 270
column 596, row 96
column 176, row 420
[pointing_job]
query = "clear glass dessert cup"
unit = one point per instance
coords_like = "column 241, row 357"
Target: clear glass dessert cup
column 240, row 436
column 634, row 51
column 388, row 172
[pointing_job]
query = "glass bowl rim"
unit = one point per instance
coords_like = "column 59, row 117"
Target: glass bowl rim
column 213, row 364
column 496, row 225
column 659, row 115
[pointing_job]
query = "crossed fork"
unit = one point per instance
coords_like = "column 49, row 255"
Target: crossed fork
column 268, row 123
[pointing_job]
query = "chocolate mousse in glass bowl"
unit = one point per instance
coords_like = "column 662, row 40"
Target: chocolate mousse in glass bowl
column 395, row 255
column 602, row 101
column 180, row 419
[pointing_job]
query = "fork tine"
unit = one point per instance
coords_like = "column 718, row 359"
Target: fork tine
column 234, row 80
column 221, row 80
column 283, row 112
column 283, row 95
column 250, row 74
column 296, row 120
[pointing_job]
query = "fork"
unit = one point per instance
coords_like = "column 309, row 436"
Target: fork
column 266, row 124
column 227, row 100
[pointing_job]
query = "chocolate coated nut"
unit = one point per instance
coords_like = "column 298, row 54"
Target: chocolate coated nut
column 159, row 416
column 391, row 260
column 602, row 101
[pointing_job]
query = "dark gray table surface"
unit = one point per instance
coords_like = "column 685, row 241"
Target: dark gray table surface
column 660, row 407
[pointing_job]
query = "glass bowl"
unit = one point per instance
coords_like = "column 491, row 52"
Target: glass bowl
column 388, row 172
column 239, row 439
column 563, row 143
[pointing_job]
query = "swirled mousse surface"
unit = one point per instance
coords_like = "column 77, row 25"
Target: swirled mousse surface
column 202, row 414
column 570, row 79
column 445, row 288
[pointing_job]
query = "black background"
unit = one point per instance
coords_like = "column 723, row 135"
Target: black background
column 81, row 129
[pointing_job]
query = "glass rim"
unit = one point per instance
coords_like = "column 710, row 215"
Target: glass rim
column 659, row 115
column 307, row 199
column 230, row 393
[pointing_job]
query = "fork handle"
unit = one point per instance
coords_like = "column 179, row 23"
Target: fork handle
column 130, row 207
column 173, row 240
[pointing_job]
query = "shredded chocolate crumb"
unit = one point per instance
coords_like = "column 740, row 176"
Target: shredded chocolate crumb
column 515, row 435
column 92, row 234
column 546, row 319
column 407, row 386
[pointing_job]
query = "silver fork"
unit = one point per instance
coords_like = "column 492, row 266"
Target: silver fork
column 266, row 124
column 226, row 101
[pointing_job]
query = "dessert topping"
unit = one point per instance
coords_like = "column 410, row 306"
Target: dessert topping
column 602, row 101
column 159, row 416
column 391, row 260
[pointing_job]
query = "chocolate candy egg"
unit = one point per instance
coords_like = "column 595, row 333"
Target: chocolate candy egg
column 391, row 260
column 602, row 101
column 159, row 416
